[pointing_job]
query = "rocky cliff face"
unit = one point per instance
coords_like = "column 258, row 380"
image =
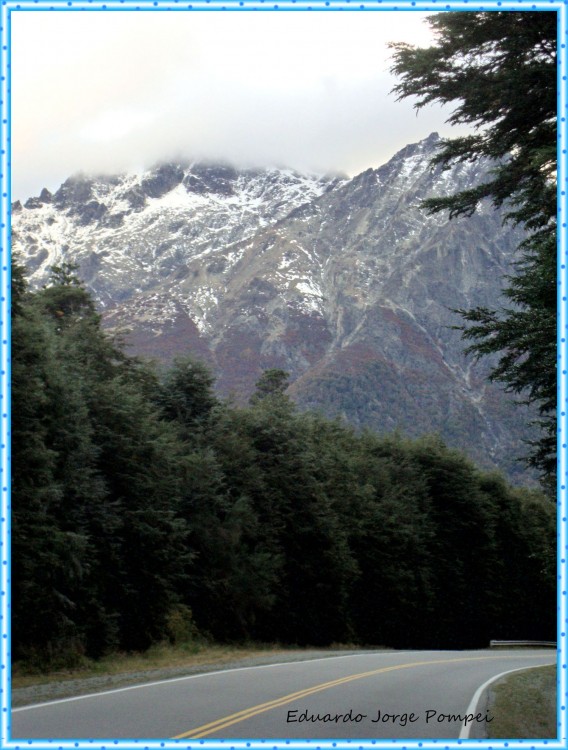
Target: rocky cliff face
column 347, row 284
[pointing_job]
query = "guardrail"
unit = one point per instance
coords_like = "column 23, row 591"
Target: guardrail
column 544, row 644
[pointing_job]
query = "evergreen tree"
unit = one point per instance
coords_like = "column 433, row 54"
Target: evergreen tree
column 521, row 585
column 52, row 465
column 462, row 551
column 306, row 526
column 110, row 477
column 271, row 383
column 393, row 600
column 65, row 297
column 186, row 395
column 144, row 560
column 249, row 528
column 499, row 72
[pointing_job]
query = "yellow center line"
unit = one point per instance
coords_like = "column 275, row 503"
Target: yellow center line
column 248, row 713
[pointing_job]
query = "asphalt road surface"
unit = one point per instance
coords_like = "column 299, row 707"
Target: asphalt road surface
column 394, row 695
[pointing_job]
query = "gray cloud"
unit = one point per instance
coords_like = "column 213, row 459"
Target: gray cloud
column 106, row 92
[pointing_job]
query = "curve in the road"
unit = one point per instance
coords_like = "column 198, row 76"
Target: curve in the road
column 411, row 694
column 248, row 713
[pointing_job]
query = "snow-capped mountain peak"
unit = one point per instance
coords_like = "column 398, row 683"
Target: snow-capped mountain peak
column 345, row 283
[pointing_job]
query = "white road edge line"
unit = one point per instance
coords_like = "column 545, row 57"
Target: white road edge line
column 186, row 677
column 472, row 708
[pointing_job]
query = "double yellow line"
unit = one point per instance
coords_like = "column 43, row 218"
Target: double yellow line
column 248, row 713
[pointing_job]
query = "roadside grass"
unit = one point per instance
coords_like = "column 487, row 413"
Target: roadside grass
column 160, row 656
column 523, row 705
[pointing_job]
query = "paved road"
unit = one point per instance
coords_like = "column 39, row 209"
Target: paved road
column 396, row 695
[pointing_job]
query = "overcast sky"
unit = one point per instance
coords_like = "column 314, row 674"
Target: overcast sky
column 108, row 91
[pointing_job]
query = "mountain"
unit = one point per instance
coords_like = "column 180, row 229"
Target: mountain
column 345, row 283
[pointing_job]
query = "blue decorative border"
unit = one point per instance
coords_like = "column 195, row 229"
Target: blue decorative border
column 10, row 6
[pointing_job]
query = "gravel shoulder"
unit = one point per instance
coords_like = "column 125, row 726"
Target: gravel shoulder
column 82, row 686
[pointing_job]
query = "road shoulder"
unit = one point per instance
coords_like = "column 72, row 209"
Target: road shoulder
column 66, row 688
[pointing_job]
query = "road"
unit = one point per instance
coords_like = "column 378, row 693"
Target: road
column 395, row 695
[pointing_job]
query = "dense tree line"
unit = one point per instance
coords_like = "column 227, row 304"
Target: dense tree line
column 146, row 509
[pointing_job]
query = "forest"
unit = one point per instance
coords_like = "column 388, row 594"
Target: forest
column 145, row 509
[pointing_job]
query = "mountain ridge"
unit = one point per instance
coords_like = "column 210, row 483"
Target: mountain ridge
column 345, row 283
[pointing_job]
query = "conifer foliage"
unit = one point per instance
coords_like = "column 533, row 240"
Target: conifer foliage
column 147, row 510
column 499, row 71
